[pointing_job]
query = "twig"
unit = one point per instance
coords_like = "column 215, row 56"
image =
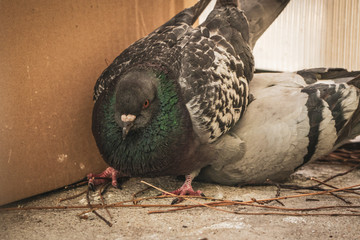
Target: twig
column 101, row 192
column 340, row 174
column 138, row 192
column 294, row 186
column 326, row 184
column 80, row 183
column 278, row 189
column 96, row 213
column 72, row 197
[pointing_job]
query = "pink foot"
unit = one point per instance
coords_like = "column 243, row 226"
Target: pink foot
column 186, row 189
column 109, row 174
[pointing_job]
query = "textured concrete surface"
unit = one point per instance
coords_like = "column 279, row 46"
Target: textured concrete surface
column 197, row 223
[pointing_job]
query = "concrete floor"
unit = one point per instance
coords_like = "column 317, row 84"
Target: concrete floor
column 197, row 223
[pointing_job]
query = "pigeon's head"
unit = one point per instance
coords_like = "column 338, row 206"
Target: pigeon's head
column 136, row 101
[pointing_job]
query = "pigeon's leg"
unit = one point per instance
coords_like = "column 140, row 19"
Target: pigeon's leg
column 186, row 188
column 109, row 173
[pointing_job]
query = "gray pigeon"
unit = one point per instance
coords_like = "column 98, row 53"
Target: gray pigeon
column 165, row 103
column 295, row 118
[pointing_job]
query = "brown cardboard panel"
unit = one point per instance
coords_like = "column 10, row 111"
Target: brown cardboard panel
column 51, row 53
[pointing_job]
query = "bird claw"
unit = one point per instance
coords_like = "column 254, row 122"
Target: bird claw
column 176, row 201
column 109, row 174
column 185, row 190
column 91, row 186
column 180, row 199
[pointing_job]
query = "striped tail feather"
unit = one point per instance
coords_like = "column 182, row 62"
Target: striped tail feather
column 338, row 75
column 333, row 109
column 198, row 8
column 261, row 14
column 224, row 3
column 351, row 131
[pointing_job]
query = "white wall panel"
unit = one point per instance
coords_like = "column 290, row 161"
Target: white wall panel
column 312, row 33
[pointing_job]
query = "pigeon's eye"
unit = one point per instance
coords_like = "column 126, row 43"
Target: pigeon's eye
column 146, row 104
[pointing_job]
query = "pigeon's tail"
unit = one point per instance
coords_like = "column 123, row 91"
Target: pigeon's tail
column 260, row 14
column 338, row 75
column 224, row 3
column 198, row 8
column 351, row 131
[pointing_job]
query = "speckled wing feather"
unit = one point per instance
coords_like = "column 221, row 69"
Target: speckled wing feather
column 218, row 63
column 160, row 48
column 217, row 66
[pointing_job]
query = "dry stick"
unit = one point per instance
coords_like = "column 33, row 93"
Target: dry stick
column 328, row 185
column 76, row 184
column 116, row 205
column 278, row 189
column 271, row 199
column 278, row 195
column 340, row 174
column 342, row 150
column 96, row 213
column 342, row 199
column 355, row 157
column 101, row 192
column 42, row 208
column 72, row 197
column 339, row 155
column 138, row 192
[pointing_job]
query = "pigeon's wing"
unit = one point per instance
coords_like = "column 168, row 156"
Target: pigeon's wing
column 288, row 124
column 217, row 65
column 157, row 47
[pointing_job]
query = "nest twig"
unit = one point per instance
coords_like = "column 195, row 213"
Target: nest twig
column 349, row 153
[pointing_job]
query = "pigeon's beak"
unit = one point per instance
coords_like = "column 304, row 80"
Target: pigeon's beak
column 128, row 122
column 126, row 129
